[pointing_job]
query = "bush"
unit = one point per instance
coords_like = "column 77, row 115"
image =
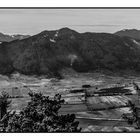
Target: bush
column 40, row 115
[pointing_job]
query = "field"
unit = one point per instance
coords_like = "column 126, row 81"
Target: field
column 97, row 112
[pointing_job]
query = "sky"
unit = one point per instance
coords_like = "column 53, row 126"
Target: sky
column 33, row 21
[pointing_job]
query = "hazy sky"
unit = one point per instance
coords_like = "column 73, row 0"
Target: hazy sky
column 32, row 21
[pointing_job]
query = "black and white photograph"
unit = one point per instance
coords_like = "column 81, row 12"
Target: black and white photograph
column 69, row 70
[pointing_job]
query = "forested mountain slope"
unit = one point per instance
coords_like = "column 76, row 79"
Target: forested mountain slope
column 50, row 51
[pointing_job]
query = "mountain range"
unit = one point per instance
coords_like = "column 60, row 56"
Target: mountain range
column 51, row 51
column 133, row 33
column 8, row 38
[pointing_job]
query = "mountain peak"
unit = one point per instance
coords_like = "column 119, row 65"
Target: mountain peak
column 66, row 29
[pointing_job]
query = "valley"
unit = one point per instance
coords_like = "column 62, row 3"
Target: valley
column 96, row 113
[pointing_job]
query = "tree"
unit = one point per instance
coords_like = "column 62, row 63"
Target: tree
column 4, row 103
column 134, row 118
column 41, row 115
column 136, row 87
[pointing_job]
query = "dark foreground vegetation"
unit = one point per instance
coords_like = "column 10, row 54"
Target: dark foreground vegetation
column 40, row 115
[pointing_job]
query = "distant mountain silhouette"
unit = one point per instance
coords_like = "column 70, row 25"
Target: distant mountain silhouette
column 8, row 38
column 129, row 33
column 51, row 51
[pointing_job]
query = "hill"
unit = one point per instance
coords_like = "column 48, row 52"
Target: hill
column 50, row 51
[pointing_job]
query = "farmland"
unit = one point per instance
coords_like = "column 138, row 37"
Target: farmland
column 95, row 109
